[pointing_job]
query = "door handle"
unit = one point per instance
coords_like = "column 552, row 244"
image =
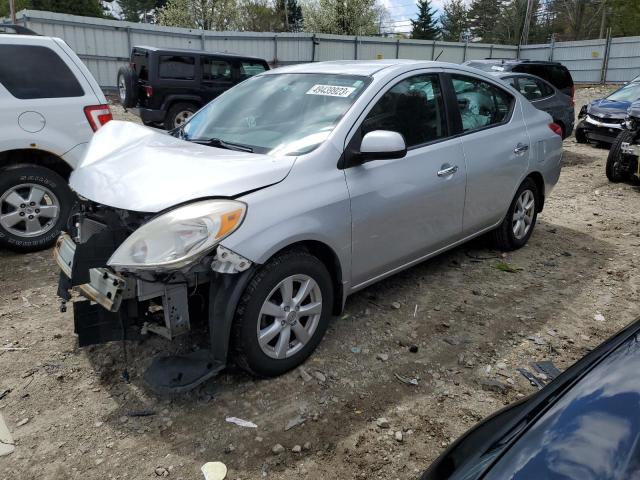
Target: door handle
column 447, row 171
column 521, row 148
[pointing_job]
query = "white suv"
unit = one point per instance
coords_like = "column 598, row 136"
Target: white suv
column 50, row 105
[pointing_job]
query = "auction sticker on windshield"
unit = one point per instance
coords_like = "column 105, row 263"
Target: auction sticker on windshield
column 331, row 90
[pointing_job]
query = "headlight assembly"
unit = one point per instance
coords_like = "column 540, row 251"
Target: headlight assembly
column 179, row 237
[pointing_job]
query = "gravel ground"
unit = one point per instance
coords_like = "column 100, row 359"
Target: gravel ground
column 457, row 324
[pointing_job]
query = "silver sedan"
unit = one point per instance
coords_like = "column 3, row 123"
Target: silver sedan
column 287, row 194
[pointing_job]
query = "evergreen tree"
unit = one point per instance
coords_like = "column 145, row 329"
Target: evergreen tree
column 140, row 10
column 454, row 21
column 294, row 21
column 87, row 8
column 484, row 19
column 426, row 26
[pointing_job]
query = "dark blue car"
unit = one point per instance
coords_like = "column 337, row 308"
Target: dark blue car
column 584, row 425
column 602, row 120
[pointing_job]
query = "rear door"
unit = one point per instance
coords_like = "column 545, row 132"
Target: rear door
column 217, row 76
column 495, row 144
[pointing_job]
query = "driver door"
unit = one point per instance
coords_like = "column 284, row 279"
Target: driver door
column 405, row 209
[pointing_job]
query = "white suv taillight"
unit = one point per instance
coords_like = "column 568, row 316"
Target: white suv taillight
column 97, row 115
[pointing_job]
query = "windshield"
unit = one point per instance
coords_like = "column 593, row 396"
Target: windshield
column 278, row 114
column 628, row 93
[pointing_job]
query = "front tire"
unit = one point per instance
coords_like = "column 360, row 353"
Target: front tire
column 581, row 137
column 34, row 206
column 516, row 228
column 615, row 172
column 283, row 314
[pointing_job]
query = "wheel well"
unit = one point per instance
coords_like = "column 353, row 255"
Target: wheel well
column 36, row 157
column 562, row 126
column 537, row 178
column 330, row 260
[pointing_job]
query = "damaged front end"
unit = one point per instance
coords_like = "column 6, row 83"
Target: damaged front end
column 131, row 274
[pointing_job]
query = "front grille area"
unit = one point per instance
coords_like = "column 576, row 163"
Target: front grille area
column 617, row 121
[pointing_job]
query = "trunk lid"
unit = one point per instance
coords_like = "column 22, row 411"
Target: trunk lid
column 131, row 167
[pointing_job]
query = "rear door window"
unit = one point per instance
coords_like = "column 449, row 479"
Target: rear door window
column 481, row 104
column 249, row 69
column 177, row 67
column 36, row 72
column 215, row 70
column 532, row 89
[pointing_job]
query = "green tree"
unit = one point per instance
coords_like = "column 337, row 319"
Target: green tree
column 87, row 8
column 454, row 20
column 484, row 19
column 623, row 16
column 342, row 17
column 140, row 10
column 426, row 26
column 202, row 14
column 259, row 16
column 293, row 14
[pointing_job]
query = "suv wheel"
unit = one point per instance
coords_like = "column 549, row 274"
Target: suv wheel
column 128, row 87
column 178, row 114
column 34, row 206
column 580, row 136
column 283, row 314
column 518, row 224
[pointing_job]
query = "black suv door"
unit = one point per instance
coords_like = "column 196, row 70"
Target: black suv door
column 217, row 76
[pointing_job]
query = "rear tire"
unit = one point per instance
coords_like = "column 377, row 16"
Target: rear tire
column 178, row 114
column 614, row 160
column 288, row 336
column 516, row 228
column 128, row 87
column 580, row 136
column 34, row 207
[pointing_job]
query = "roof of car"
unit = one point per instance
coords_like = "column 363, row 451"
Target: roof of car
column 196, row 51
column 357, row 67
column 512, row 61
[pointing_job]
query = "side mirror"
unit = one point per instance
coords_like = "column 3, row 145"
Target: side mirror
column 382, row 145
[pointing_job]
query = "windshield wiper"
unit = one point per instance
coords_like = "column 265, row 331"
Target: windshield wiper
column 216, row 142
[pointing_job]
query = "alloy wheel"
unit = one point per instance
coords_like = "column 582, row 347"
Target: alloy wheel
column 289, row 316
column 29, row 210
column 523, row 214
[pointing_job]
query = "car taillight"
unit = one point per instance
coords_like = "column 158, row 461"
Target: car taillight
column 557, row 129
column 148, row 90
column 97, row 115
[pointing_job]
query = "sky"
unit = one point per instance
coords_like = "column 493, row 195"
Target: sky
column 399, row 12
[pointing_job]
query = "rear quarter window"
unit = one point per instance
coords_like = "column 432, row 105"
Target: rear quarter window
column 33, row 71
column 249, row 69
column 177, row 67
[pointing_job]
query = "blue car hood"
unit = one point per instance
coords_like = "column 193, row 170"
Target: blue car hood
column 610, row 108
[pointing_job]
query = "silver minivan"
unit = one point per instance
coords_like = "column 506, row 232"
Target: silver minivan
column 250, row 225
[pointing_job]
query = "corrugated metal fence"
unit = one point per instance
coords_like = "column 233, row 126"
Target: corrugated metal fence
column 104, row 45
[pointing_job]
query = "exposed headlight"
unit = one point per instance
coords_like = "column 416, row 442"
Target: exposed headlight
column 630, row 123
column 179, row 237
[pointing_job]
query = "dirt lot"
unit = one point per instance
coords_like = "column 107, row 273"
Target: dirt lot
column 471, row 322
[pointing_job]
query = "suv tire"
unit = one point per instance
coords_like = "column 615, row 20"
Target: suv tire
column 580, row 136
column 505, row 237
column 305, row 273
column 613, row 171
column 178, row 114
column 24, row 227
column 128, row 87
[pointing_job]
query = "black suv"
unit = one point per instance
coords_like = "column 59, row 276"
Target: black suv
column 164, row 87
column 553, row 72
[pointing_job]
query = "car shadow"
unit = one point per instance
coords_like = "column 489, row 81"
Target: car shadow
column 465, row 302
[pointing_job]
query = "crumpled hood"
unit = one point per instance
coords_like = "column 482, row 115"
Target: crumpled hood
column 132, row 167
column 611, row 108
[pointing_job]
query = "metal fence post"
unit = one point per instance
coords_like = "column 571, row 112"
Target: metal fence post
column 128, row 29
column 314, row 42
column 491, row 52
column 398, row 48
column 355, row 48
column 275, row 49
column 552, row 46
column 433, row 50
column 464, row 53
column 202, row 40
column 605, row 59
